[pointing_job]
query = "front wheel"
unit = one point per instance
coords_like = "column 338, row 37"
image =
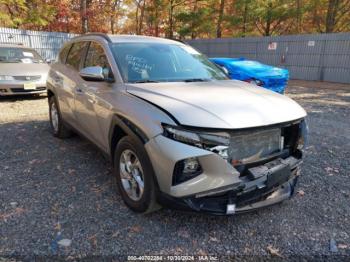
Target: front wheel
column 57, row 126
column 135, row 176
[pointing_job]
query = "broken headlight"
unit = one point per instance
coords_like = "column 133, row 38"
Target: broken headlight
column 215, row 142
column 303, row 135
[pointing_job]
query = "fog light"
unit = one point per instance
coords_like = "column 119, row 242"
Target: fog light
column 230, row 209
column 186, row 169
column 191, row 165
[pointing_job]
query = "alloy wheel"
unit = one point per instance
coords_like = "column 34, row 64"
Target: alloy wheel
column 54, row 117
column 131, row 175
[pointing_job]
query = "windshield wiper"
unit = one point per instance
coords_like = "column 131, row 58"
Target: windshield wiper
column 145, row 81
column 197, row 80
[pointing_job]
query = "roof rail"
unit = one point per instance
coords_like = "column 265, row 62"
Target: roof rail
column 105, row 36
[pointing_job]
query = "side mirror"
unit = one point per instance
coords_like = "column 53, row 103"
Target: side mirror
column 92, row 73
column 48, row 61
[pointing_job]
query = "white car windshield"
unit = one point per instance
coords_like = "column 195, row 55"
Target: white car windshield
column 153, row 62
column 19, row 55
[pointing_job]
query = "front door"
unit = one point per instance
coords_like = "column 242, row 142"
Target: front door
column 88, row 95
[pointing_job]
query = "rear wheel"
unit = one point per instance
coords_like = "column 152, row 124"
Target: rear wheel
column 135, row 176
column 57, row 126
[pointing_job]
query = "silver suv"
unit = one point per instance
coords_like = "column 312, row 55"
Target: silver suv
column 177, row 130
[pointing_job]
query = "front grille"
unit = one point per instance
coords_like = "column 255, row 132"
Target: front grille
column 252, row 146
column 22, row 90
column 27, row 78
column 288, row 136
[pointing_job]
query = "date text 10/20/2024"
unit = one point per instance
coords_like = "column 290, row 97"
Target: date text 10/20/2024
column 173, row 258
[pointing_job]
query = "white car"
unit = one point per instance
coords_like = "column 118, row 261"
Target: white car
column 22, row 71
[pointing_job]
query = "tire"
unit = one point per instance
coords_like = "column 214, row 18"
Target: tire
column 142, row 202
column 58, row 128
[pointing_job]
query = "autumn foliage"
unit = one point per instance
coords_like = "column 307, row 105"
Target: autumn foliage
column 179, row 18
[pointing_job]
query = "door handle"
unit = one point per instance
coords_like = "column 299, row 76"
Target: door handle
column 92, row 101
column 79, row 90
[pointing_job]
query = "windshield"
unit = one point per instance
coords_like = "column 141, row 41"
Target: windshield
column 19, row 55
column 153, row 62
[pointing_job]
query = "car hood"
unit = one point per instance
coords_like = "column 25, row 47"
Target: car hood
column 219, row 104
column 23, row 69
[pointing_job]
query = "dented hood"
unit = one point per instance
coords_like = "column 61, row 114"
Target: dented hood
column 219, row 104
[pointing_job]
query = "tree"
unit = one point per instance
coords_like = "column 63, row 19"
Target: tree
column 240, row 18
column 179, row 18
column 155, row 17
column 328, row 16
column 273, row 17
column 114, row 13
column 220, row 18
column 11, row 14
column 172, row 4
column 195, row 22
column 33, row 14
column 336, row 11
column 84, row 17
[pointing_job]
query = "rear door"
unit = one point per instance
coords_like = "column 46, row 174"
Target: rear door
column 89, row 105
column 66, row 77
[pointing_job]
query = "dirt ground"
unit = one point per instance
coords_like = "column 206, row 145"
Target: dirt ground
column 59, row 199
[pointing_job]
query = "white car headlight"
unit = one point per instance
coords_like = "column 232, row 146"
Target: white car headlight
column 6, row 78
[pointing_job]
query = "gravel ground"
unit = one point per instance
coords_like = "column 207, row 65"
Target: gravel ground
column 58, row 199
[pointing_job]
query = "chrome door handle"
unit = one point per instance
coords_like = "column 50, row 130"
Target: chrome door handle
column 92, row 101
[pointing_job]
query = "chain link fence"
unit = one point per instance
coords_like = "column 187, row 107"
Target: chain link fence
column 46, row 43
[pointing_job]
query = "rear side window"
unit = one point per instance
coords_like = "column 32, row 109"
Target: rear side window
column 76, row 54
column 63, row 54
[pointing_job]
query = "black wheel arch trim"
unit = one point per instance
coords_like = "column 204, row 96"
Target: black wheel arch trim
column 50, row 88
column 128, row 127
column 131, row 129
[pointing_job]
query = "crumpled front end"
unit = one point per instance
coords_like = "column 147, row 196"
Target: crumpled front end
column 274, row 185
column 256, row 168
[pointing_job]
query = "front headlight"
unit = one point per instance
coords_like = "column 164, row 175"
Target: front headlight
column 6, row 78
column 215, row 142
column 303, row 135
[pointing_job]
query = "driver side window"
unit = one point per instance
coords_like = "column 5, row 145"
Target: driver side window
column 97, row 57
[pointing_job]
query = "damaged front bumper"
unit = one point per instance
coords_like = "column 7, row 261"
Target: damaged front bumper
column 262, row 186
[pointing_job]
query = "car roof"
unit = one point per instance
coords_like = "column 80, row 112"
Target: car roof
column 127, row 38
